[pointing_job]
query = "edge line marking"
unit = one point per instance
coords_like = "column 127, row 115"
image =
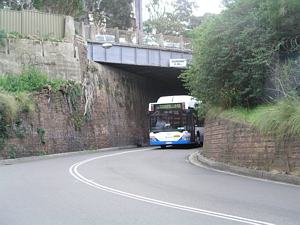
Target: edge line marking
column 73, row 170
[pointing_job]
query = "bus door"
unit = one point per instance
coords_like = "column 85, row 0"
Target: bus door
column 190, row 125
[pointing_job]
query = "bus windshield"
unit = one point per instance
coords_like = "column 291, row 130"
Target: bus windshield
column 168, row 120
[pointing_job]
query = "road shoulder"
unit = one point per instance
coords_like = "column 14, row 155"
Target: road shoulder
column 199, row 160
column 65, row 154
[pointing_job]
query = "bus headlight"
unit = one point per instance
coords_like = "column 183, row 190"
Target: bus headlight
column 153, row 138
column 186, row 138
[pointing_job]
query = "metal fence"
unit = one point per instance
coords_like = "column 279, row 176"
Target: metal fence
column 34, row 23
column 93, row 33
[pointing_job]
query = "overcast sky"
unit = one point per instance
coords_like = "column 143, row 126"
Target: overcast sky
column 204, row 6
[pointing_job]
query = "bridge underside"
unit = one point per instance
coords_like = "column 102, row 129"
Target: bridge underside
column 164, row 76
column 151, row 63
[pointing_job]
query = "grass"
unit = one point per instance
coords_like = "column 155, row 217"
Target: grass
column 282, row 120
column 16, row 93
column 30, row 80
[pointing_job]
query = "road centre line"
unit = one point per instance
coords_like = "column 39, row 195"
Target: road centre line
column 73, row 170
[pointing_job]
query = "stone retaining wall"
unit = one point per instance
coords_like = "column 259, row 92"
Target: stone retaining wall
column 240, row 145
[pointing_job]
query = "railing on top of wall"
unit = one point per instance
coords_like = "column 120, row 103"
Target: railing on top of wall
column 133, row 37
column 45, row 25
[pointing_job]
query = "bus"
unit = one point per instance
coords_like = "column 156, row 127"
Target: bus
column 173, row 121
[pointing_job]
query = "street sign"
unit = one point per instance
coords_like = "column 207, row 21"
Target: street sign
column 178, row 63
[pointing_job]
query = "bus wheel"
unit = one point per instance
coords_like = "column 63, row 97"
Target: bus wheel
column 163, row 146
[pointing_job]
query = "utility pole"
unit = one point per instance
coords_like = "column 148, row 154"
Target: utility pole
column 138, row 15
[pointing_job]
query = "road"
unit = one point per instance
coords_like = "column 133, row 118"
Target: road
column 136, row 187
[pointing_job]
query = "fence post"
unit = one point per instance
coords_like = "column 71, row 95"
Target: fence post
column 92, row 32
column 140, row 36
column 117, row 35
column 82, row 28
column 7, row 50
column 69, row 29
column 181, row 42
column 161, row 40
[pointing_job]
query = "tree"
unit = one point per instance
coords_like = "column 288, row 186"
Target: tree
column 113, row 13
column 169, row 20
column 119, row 13
column 65, row 7
column 235, row 51
column 16, row 4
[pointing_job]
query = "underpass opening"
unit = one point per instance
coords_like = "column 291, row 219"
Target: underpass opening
column 167, row 78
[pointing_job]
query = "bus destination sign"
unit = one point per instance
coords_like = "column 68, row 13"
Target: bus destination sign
column 168, row 106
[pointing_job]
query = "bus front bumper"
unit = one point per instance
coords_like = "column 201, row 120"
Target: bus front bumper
column 180, row 142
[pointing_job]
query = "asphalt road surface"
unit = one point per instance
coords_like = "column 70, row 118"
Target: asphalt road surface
column 145, row 186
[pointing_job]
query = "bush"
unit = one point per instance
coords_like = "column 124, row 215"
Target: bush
column 233, row 51
column 30, row 80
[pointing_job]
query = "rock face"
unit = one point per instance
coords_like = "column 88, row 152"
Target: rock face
column 119, row 102
column 239, row 144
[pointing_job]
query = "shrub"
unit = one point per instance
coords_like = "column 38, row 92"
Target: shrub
column 235, row 50
column 281, row 120
column 30, row 80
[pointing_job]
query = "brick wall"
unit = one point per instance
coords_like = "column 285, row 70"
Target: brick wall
column 239, row 144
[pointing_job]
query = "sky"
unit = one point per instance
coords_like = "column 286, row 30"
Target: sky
column 204, row 6
column 212, row 6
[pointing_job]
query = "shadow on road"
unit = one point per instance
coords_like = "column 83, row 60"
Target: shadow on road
column 179, row 147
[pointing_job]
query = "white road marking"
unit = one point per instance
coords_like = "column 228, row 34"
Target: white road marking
column 73, row 170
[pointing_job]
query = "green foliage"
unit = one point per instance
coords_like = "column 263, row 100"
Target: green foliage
column 12, row 152
column 233, row 51
column 2, row 37
column 25, row 101
column 285, row 81
column 15, row 34
column 64, row 7
column 73, row 92
column 9, row 107
column 41, row 133
column 169, row 19
column 281, row 120
column 112, row 13
column 16, row 98
column 3, row 131
column 19, row 130
column 118, row 13
column 77, row 119
column 30, row 80
column 16, row 4
column 39, row 153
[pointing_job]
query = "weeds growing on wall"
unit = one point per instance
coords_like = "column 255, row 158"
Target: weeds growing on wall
column 16, row 92
column 12, row 152
column 41, row 133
